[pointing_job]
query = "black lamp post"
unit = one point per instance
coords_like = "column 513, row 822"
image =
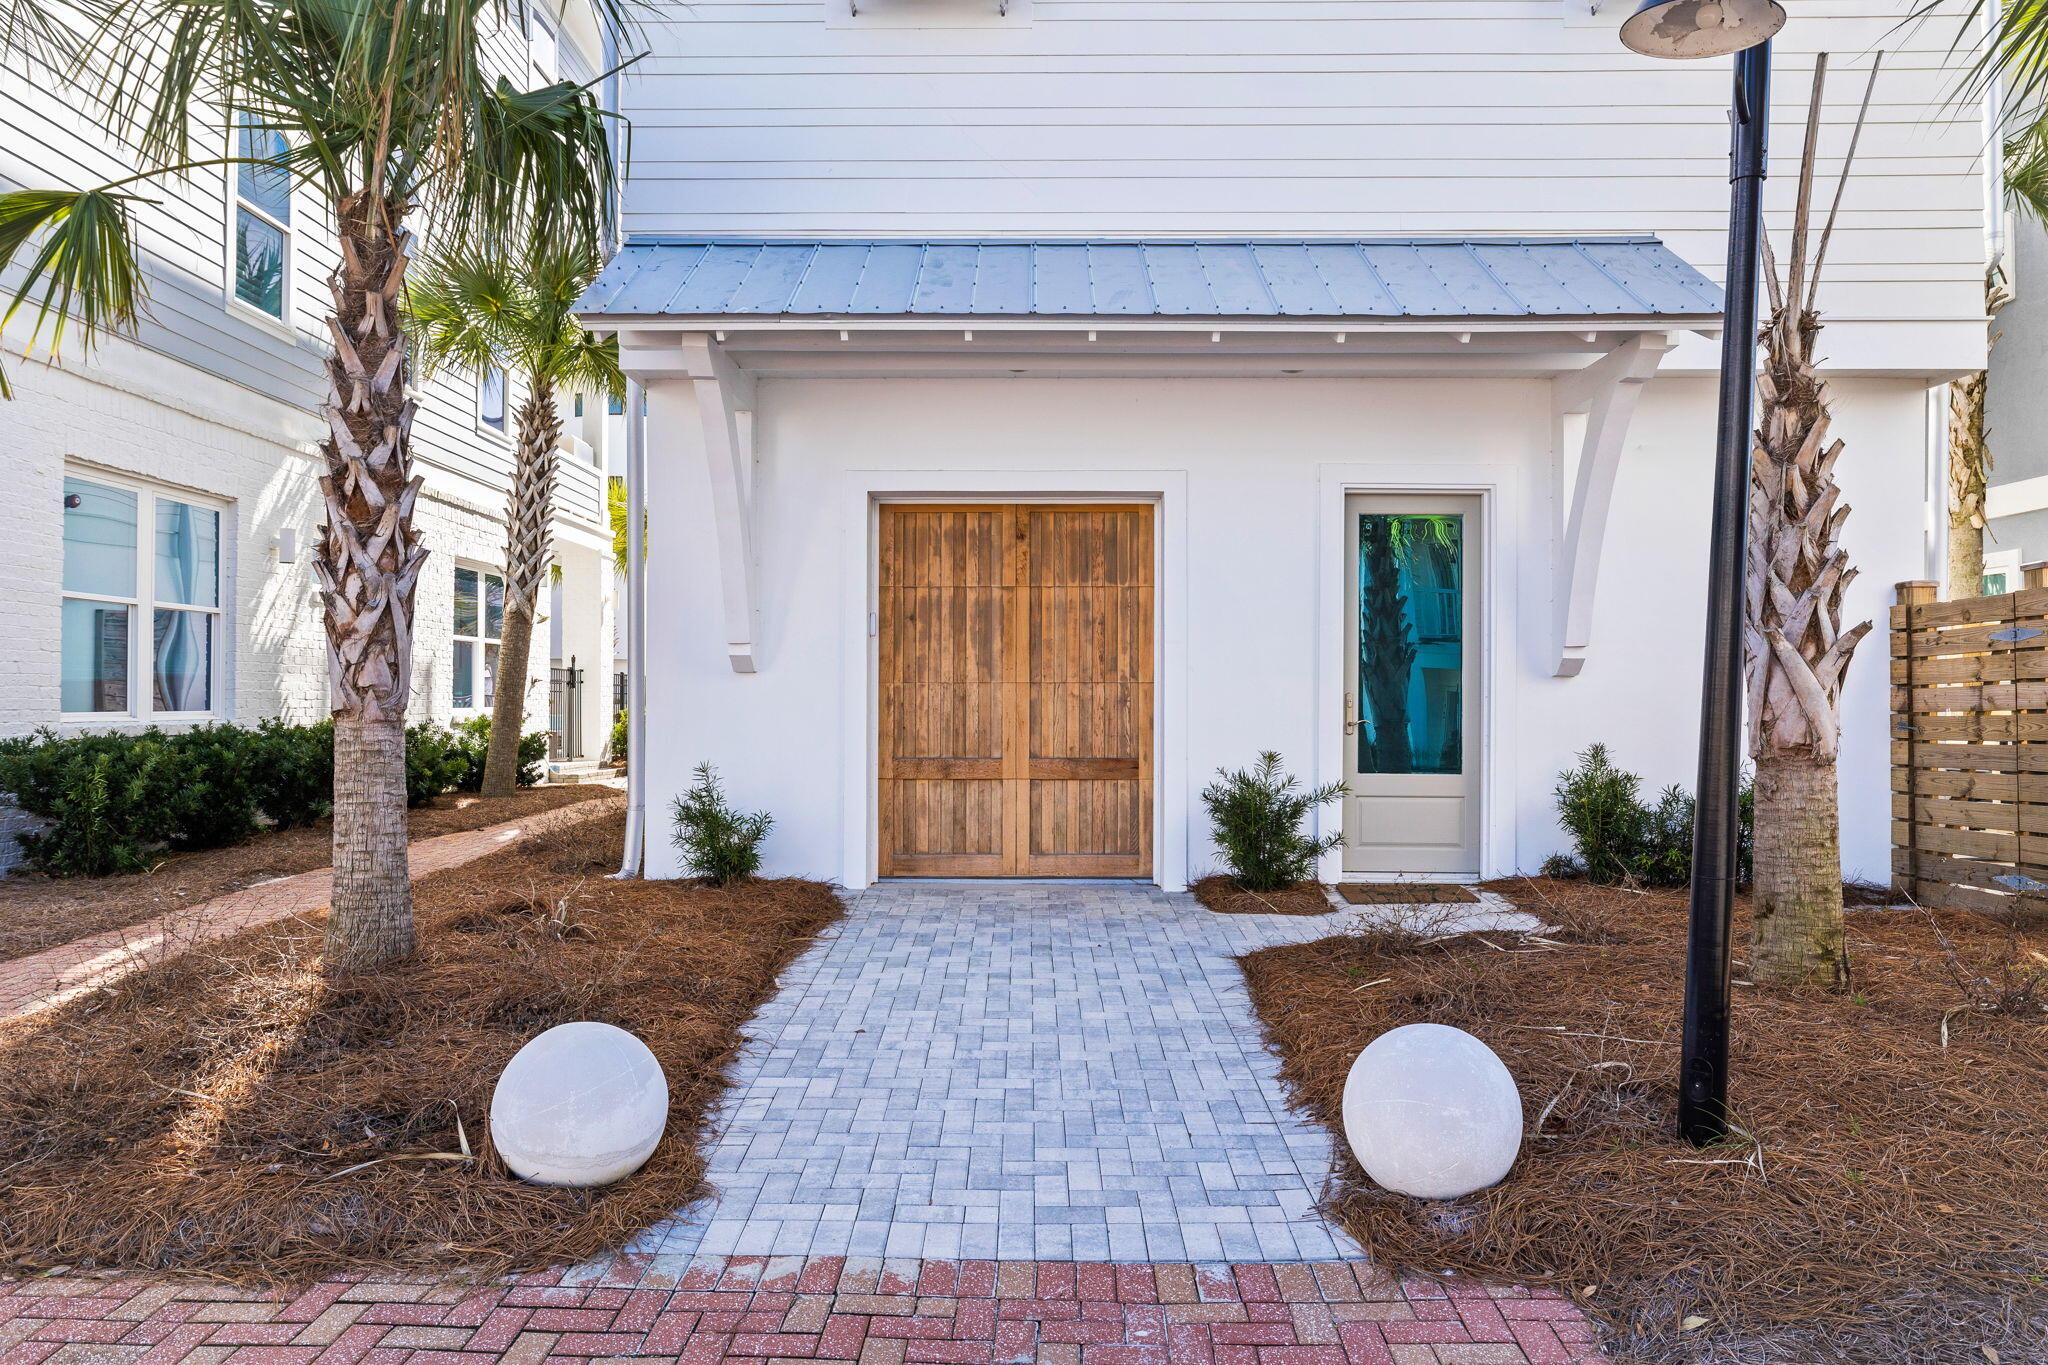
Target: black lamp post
column 1715, row 28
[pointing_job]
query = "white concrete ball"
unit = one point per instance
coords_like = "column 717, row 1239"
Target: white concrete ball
column 1432, row 1112
column 582, row 1104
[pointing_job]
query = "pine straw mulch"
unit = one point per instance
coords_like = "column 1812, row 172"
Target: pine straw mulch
column 1892, row 1205
column 1223, row 895
column 41, row 912
column 230, row 1113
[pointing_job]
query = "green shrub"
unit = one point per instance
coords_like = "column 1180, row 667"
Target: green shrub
column 292, row 769
column 1600, row 809
column 473, row 737
column 108, row 799
column 1618, row 838
column 435, row 762
column 616, row 746
column 211, row 799
column 1258, row 814
column 718, row 842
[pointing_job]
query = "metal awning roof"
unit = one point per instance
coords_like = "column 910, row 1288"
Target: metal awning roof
column 1378, row 278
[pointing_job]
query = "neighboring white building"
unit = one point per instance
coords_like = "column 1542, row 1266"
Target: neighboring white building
column 970, row 557
column 2016, row 417
column 161, row 497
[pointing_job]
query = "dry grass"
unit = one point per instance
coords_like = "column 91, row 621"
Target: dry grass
column 229, row 1112
column 42, row 912
column 1885, row 1202
column 1223, row 895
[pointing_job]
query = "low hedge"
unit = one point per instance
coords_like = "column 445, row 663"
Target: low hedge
column 112, row 801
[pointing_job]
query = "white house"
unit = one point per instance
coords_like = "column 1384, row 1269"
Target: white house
column 161, row 496
column 1051, row 401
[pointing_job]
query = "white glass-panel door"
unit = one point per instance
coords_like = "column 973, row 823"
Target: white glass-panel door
column 1412, row 697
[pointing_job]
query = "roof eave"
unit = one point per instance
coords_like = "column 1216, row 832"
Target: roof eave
column 1070, row 322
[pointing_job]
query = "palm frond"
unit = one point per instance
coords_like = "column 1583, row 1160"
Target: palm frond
column 85, row 272
column 538, row 161
column 461, row 308
column 2013, row 54
column 2026, row 168
column 37, row 29
column 475, row 307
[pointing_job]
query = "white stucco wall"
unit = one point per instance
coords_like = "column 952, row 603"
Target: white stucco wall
column 1250, row 598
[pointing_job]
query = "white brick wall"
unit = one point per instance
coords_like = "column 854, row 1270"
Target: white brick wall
column 68, row 417
column 144, row 417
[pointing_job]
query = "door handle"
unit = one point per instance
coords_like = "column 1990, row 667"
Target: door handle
column 1350, row 713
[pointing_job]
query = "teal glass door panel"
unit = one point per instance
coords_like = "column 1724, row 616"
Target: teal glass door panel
column 1411, row 646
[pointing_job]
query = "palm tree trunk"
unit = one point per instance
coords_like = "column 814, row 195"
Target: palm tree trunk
column 368, row 564
column 1796, row 650
column 529, row 539
column 1795, row 933
column 1968, row 465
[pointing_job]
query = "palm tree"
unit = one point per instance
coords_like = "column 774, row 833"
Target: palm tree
column 1796, row 648
column 387, row 112
column 480, row 309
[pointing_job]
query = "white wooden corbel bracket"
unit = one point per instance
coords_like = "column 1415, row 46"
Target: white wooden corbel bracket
column 725, row 406
column 1591, row 408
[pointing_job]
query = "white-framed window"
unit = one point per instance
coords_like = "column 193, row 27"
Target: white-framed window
column 142, row 623
column 491, row 401
column 2001, row 572
column 260, row 233
column 479, row 624
column 544, row 41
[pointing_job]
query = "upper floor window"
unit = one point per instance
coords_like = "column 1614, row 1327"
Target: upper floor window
column 263, row 219
column 544, row 42
column 141, row 581
column 490, row 398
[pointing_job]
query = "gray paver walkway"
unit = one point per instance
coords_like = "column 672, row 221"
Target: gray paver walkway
column 1032, row 1071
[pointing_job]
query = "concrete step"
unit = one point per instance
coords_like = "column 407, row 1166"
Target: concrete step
column 574, row 770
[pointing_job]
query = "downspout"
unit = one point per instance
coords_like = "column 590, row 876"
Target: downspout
column 636, row 632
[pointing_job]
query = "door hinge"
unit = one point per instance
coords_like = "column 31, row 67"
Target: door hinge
column 874, row 624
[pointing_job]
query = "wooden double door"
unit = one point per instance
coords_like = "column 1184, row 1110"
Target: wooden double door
column 1015, row 725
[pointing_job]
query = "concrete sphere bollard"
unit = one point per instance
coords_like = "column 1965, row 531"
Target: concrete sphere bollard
column 1431, row 1111
column 582, row 1104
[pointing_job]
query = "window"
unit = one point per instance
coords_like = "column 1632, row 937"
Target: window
column 490, row 398
column 263, row 220
column 544, row 42
column 141, row 579
column 616, row 405
column 479, row 623
column 2002, row 572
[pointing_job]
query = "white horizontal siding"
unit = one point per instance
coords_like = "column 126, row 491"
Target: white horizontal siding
column 49, row 138
column 1278, row 117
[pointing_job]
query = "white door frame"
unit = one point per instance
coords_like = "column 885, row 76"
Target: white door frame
column 1497, row 487
column 861, row 494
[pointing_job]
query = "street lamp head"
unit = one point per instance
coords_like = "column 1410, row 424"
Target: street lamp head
column 1701, row 28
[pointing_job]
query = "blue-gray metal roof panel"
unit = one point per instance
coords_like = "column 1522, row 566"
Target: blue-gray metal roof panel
column 1381, row 277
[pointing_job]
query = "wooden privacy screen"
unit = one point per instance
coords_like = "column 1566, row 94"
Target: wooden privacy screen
column 1970, row 749
column 1015, row 717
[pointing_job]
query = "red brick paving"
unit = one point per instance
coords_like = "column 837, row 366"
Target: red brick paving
column 755, row 1311
column 43, row 980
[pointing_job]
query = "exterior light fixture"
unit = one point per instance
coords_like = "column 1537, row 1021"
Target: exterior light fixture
column 1700, row 28
column 1686, row 29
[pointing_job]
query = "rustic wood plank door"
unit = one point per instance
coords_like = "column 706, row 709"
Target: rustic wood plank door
column 1015, row 717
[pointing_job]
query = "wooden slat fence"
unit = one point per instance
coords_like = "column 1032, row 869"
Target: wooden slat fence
column 1970, row 748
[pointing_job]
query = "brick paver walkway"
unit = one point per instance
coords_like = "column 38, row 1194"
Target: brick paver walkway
column 755, row 1310
column 1019, row 1071
column 42, row 980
